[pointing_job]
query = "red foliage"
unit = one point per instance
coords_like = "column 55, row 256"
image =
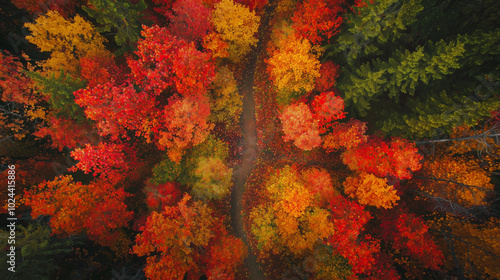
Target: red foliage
column 194, row 71
column 64, row 7
column 165, row 60
column 349, row 219
column 115, row 109
column 100, row 70
column 383, row 269
column 224, row 257
column 16, row 87
column 254, row 5
column 319, row 182
column 398, row 158
column 327, row 108
column 66, row 132
column 159, row 196
column 163, row 7
column 329, row 72
column 109, row 162
column 316, row 20
column 409, row 234
column 152, row 70
column 190, row 20
column 345, row 135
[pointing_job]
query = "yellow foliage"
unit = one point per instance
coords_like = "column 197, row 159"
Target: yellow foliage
column 236, row 26
column 368, row 189
column 292, row 220
column 66, row 40
column 225, row 101
column 295, row 66
column 285, row 6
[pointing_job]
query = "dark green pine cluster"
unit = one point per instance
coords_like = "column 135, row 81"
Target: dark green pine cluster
column 418, row 68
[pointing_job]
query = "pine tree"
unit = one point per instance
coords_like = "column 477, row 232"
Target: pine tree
column 38, row 250
column 60, row 91
column 419, row 84
column 120, row 16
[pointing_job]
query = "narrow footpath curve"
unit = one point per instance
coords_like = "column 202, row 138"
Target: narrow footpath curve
column 248, row 145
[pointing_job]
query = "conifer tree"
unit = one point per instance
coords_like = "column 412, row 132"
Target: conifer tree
column 121, row 16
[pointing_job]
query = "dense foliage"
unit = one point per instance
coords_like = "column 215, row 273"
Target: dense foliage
column 214, row 139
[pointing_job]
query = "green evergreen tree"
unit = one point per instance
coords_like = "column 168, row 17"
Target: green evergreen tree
column 36, row 253
column 60, row 90
column 415, row 83
column 119, row 16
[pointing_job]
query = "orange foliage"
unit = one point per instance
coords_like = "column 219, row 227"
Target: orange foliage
column 345, row 135
column 370, row 190
column 290, row 220
column 300, row 127
column 398, row 158
column 170, row 239
column 475, row 245
column 459, row 180
column 319, row 182
column 176, row 238
column 186, row 123
column 224, row 258
column 97, row 209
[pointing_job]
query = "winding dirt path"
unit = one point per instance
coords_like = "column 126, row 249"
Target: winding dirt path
column 248, row 146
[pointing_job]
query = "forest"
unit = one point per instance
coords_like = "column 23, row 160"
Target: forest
column 250, row 139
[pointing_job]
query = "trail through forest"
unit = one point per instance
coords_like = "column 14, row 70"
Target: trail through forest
column 248, row 145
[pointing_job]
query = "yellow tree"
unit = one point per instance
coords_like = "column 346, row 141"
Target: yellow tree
column 368, row 189
column 235, row 25
column 294, row 68
column 292, row 221
column 67, row 41
column 225, row 101
column 213, row 179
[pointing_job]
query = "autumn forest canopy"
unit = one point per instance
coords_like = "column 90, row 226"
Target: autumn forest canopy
column 250, row 139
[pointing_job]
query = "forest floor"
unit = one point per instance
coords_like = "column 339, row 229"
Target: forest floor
column 248, row 145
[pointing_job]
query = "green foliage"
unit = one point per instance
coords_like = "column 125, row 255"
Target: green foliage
column 209, row 157
column 225, row 100
column 203, row 168
column 331, row 265
column 265, row 229
column 212, row 179
column 379, row 23
column 60, row 90
column 402, row 72
column 120, row 16
column 36, row 257
column 165, row 171
column 415, row 67
column 439, row 115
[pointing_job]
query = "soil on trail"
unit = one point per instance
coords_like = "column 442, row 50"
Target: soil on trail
column 248, row 145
